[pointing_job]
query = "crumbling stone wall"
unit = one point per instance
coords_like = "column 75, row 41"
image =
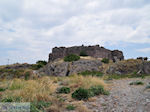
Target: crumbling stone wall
column 93, row 51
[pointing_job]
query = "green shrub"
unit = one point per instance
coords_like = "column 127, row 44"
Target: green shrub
column 11, row 99
column 40, row 62
column 71, row 57
column 70, row 107
column 27, row 75
column 2, row 89
column 39, row 106
column 83, row 53
column 65, row 90
column 136, row 83
column 38, row 65
column 92, row 73
column 148, row 87
column 84, row 94
column 81, row 94
column 105, row 60
column 97, row 90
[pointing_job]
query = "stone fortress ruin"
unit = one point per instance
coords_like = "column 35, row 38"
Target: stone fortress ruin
column 93, row 51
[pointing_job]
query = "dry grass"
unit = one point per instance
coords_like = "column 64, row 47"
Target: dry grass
column 44, row 89
column 86, row 82
column 31, row 90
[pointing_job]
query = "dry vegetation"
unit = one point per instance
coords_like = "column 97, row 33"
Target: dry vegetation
column 44, row 89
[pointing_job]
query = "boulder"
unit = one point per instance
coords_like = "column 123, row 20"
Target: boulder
column 68, row 68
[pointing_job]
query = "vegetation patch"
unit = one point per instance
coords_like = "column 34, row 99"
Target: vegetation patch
column 71, row 57
column 97, row 90
column 105, row 60
column 70, row 107
column 65, row 90
column 11, row 99
column 83, row 53
column 92, row 73
column 39, row 64
column 2, row 89
column 115, row 76
column 84, row 94
column 148, row 86
column 38, row 106
column 136, row 83
column 81, row 94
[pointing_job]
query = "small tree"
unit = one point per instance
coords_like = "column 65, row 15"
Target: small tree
column 71, row 57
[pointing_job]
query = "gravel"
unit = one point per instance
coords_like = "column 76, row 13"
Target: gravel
column 123, row 97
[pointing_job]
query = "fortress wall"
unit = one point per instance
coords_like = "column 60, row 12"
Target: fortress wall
column 93, row 51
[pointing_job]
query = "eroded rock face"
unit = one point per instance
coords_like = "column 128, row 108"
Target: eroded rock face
column 68, row 68
column 129, row 67
column 85, row 65
column 93, row 51
column 146, row 67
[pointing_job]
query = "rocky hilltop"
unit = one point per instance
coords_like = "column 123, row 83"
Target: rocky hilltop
column 93, row 51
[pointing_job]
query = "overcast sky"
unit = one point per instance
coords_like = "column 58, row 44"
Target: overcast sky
column 29, row 29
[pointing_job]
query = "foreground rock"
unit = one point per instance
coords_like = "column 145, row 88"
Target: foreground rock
column 61, row 68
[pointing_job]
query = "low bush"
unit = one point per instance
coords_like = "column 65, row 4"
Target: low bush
column 83, row 53
column 92, row 73
column 65, row 90
column 27, row 75
column 136, row 83
column 96, row 90
column 71, row 57
column 148, row 87
column 11, row 99
column 39, row 106
column 38, row 65
column 105, row 60
column 2, row 89
column 81, row 94
column 84, row 94
column 70, row 107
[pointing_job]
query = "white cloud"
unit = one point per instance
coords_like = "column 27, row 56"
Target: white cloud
column 30, row 28
column 144, row 50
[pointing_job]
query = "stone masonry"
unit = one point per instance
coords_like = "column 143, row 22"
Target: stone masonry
column 93, row 51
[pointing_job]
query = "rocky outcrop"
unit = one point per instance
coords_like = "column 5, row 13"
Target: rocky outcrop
column 19, row 66
column 93, row 51
column 130, row 66
column 68, row 68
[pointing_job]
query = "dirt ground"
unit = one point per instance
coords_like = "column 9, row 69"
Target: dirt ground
column 123, row 97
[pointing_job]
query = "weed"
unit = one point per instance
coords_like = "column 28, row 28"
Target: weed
column 2, row 89
column 92, row 73
column 148, row 87
column 70, row 107
column 105, row 60
column 136, row 83
column 81, row 94
column 65, row 90
column 96, row 90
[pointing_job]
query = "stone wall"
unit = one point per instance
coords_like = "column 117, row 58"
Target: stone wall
column 93, row 51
